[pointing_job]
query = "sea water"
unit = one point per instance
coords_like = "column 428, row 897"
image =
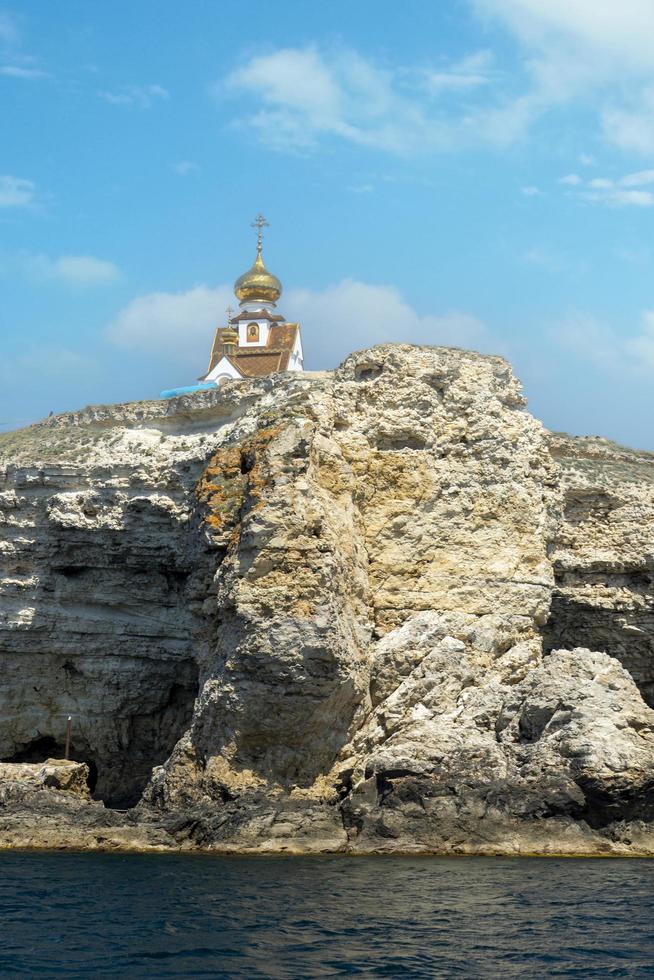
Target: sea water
column 130, row 916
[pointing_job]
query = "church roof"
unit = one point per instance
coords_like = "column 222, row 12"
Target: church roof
column 258, row 315
column 258, row 283
column 283, row 336
column 258, row 362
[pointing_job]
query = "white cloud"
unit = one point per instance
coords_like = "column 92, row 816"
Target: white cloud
column 624, row 192
column 596, row 53
column 606, row 348
column 469, row 73
column 530, row 191
column 631, row 126
column 178, row 327
column 158, row 91
column 352, row 314
column 639, row 179
column 16, row 192
column 26, row 74
column 590, row 339
column 72, row 270
column 600, row 51
column 579, row 51
column 185, row 167
column 620, row 198
column 303, row 95
column 614, row 35
column 17, row 64
column 136, row 96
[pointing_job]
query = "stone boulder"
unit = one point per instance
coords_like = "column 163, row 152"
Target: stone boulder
column 66, row 776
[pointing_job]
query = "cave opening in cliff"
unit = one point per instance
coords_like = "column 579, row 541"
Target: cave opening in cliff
column 122, row 751
column 46, row 747
column 148, row 738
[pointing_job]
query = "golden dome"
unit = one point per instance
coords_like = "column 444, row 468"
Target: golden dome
column 258, row 284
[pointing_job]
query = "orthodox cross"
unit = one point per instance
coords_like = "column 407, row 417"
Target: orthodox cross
column 230, row 313
column 260, row 223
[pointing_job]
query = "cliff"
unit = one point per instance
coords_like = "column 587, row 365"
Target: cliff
column 373, row 609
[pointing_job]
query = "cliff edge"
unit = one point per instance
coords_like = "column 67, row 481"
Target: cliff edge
column 375, row 609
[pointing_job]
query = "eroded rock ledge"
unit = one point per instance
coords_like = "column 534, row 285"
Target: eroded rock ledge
column 369, row 610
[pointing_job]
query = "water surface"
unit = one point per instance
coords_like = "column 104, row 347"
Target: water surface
column 130, row 916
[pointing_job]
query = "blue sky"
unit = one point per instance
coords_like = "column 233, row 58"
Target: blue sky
column 470, row 172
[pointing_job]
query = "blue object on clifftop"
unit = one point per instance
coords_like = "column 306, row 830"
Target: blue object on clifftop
column 188, row 390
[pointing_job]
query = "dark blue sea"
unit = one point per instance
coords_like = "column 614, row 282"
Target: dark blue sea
column 129, row 916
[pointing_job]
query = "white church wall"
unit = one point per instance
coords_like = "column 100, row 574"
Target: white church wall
column 223, row 370
column 243, row 339
column 296, row 360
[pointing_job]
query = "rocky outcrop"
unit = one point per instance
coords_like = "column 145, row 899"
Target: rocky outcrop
column 97, row 615
column 604, row 554
column 61, row 774
column 471, row 749
column 307, row 613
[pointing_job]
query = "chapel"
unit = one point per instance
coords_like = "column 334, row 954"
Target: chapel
column 257, row 340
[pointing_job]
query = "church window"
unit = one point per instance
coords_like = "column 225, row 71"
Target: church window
column 253, row 332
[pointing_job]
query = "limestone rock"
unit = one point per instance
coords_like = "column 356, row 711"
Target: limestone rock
column 604, row 554
column 307, row 613
column 67, row 776
column 470, row 739
column 60, row 774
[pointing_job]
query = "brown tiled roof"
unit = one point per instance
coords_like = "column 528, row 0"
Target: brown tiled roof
column 257, row 362
column 283, row 336
column 216, row 350
column 258, row 315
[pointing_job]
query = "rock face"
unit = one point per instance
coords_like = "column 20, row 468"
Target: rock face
column 470, row 746
column 97, row 616
column 311, row 613
column 604, row 554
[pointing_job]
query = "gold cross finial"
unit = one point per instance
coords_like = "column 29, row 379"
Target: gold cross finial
column 230, row 313
column 260, row 223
